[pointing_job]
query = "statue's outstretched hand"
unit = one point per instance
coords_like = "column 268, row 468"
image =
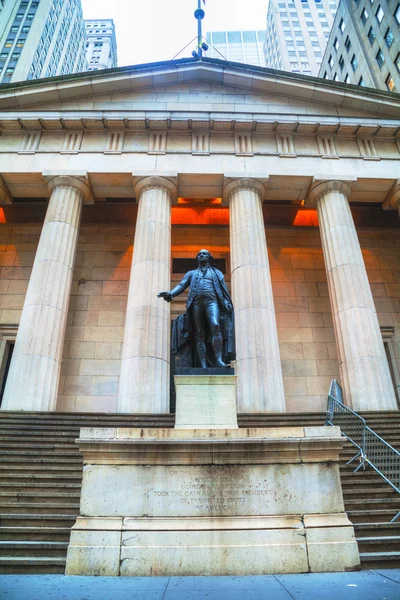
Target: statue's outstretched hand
column 166, row 295
column 228, row 306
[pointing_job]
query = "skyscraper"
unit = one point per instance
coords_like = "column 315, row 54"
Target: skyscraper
column 101, row 44
column 237, row 46
column 364, row 45
column 41, row 38
column 297, row 33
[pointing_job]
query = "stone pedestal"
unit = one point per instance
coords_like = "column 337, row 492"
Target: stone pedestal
column 211, row 502
column 205, row 401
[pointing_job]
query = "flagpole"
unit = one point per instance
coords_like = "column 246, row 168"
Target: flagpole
column 199, row 15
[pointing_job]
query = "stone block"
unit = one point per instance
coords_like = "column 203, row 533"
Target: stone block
column 81, row 349
column 204, row 401
column 306, row 403
column 111, row 318
column 291, row 350
column 323, row 334
column 115, row 288
column 100, row 367
column 302, row 261
column 287, row 319
column 288, row 334
column 65, row 403
column 319, row 304
column 104, row 386
column 311, row 320
column 100, row 334
column 318, row 385
column 89, row 288
column 306, row 289
column 283, row 289
column 107, row 404
column 328, row 367
column 113, row 303
column 77, row 384
column 295, row 386
column 315, row 350
column 110, row 350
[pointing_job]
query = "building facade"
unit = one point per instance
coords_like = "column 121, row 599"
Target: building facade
column 364, row 45
column 41, row 38
column 101, row 44
column 290, row 182
column 237, row 46
column 297, row 33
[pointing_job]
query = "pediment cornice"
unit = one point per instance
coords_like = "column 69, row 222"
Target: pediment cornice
column 254, row 79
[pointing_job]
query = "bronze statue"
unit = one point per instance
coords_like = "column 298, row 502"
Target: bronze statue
column 205, row 335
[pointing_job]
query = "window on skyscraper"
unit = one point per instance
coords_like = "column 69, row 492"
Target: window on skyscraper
column 347, row 78
column 397, row 62
column 341, row 62
column 347, row 44
column 330, row 61
column 390, row 83
column 397, row 14
column 380, row 59
column 379, row 14
column 354, row 62
column 336, row 44
column 371, row 35
column 389, row 37
column 342, row 25
column 361, row 82
column 364, row 16
column 234, row 37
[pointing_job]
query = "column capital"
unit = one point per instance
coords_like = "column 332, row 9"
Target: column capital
column 392, row 200
column 75, row 179
column 234, row 182
column 321, row 185
column 5, row 196
column 167, row 181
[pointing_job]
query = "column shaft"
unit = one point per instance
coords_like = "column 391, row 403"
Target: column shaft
column 364, row 369
column 144, row 382
column 260, row 383
column 32, row 382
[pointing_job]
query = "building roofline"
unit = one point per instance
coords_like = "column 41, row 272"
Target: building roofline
column 352, row 90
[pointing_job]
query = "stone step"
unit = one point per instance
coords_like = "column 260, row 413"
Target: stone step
column 32, row 564
column 373, row 503
column 40, row 468
column 54, row 508
column 29, row 519
column 377, row 529
column 57, row 534
column 43, row 479
column 385, row 543
column 42, row 451
column 375, row 515
column 18, row 458
column 29, row 548
column 39, row 486
column 44, row 497
column 380, row 560
column 377, row 492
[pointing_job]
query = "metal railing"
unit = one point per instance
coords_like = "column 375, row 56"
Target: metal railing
column 372, row 449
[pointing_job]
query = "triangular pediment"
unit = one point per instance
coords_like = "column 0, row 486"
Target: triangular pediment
column 190, row 87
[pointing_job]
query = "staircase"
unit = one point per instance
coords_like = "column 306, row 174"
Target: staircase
column 41, row 474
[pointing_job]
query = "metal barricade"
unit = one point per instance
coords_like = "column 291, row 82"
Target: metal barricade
column 372, row 449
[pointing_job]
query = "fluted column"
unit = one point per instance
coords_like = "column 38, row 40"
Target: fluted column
column 32, row 382
column 144, row 382
column 364, row 369
column 260, row 383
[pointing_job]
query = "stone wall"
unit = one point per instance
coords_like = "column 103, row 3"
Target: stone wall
column 91, row 363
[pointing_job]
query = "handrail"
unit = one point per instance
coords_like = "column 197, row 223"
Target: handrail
column 372, row 449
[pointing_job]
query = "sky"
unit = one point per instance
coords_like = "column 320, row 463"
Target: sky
column 153, row 30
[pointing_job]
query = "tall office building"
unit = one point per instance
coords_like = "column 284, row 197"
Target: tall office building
column 364, row 45
column 41, row 38
column 101, row 44
column 237, row 46
column 297, row 33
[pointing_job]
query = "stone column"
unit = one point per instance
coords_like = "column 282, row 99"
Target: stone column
column 260, row 383
column 144, row 382
column 364, row 370
column 32, row 382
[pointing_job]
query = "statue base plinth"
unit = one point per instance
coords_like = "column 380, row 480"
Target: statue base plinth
column 206, row 401
column 211, row 502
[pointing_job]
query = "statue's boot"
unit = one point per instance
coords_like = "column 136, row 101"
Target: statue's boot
column 217, row 344
column 202, row 353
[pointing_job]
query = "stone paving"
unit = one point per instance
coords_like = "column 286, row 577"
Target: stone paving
column 381, row 584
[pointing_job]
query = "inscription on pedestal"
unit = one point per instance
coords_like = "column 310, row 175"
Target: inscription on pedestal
column 209, row 494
